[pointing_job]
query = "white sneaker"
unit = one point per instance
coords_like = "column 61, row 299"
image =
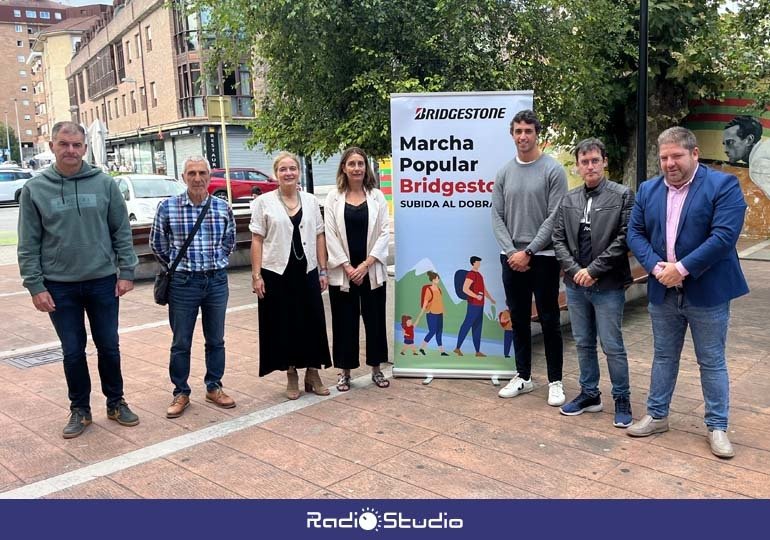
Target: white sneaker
column 556, row 394
column 516, row 386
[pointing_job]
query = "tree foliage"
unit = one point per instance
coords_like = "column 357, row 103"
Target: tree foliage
column 331, row 65
column 14, row 141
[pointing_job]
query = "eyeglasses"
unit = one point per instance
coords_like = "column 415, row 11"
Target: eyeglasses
column 594, row 161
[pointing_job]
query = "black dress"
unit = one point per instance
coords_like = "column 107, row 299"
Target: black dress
column 292, row 324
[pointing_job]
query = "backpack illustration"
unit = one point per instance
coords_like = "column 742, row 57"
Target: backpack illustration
column 425, row 290
column 460, row 277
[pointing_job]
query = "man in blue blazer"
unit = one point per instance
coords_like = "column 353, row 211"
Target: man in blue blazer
column 683, row 230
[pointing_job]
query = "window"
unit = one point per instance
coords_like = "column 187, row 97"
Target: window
column 57, row 15
column 19, row 43
column 25, row 102
column 138, row 42
column 128, row 51
column 22, row 73
column 119, row 61
column 27, row 117
column 21, row 59
column 148, row 38
column 28, row 131
column 18, row 28
column 25, row 89
column 31, row 14
column 17, row 13
column 153, row 94
column 117, row 115
column 142, row 98
column 133, row 101
column 123, row 98
column 45, row 15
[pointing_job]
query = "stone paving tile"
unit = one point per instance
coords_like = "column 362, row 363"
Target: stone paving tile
column 242, row 474
column 196, row 416
column 684, row 464
column 537, row 444
column 373, row 484
column 301, row 460
column 100, row 444
column 21, row 405
column 324, row 494
column 8, row 480
column 29, row 457
column 372, row 425
column 507, row 468
column 152, row 428
column 658, row 485
column 101, row 488
column 448, row 480
column 599, row 490
column 334, row 440
column 161, row 479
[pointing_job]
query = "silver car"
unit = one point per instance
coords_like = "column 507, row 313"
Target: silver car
column 12, row 179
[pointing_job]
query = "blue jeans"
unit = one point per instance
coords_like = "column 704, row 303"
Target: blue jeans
column 708, row 327
column 190, row 292
column 435, row 327
column 95, row 298
column 474, row 318
column 599, row 313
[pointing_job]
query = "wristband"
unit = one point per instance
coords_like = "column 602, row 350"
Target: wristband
column 322, row 273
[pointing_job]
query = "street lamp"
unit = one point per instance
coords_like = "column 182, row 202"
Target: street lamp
column 7, row 138
column 18, row 130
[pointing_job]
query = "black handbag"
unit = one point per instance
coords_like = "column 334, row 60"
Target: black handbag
column 163, row 278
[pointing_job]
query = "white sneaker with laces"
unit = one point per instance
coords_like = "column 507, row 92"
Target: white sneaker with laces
column 556, row 394
column 516, row 386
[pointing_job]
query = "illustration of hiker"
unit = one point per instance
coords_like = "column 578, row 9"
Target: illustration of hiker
column 432, row 304
column 406, row 324
column 474, row 292
column 505, row 322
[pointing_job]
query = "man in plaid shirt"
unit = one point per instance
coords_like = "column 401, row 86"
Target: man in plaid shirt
column 199, row 281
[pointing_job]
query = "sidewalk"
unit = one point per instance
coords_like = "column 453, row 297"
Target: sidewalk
column 452, row 438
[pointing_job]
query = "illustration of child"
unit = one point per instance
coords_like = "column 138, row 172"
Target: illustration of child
column 408, row 326
column 505, row 322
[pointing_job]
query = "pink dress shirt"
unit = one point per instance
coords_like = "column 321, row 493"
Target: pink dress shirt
column 674, row 204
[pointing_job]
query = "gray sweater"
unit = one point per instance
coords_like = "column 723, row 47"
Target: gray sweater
column 524, row 200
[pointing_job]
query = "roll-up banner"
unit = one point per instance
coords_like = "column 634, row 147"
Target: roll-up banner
column 451, row 318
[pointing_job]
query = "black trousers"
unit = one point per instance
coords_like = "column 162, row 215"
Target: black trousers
column 542, row 280
column 347, row 309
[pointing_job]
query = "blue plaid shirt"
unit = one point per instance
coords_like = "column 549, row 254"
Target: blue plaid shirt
column 212, row 244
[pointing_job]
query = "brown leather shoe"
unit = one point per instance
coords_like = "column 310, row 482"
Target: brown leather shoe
column 458, row 352
column 481, row 355
column 220, row 399
column 177, row 407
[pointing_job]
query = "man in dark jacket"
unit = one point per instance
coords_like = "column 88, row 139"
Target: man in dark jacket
column 76, row 257
column 589, row 239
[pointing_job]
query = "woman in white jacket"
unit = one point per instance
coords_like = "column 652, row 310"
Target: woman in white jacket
column 357, row 235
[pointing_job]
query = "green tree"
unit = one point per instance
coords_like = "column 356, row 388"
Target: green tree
column 4, row 128
column 330, row 65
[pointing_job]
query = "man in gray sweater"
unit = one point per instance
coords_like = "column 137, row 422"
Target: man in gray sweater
column 527, row 192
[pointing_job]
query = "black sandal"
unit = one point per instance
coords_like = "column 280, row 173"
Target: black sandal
column 343, row 382
column 380, row 380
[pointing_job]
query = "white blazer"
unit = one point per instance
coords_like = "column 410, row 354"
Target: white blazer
column 377, row 238
column 270, row 221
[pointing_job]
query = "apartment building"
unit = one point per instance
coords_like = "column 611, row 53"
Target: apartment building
column 140, row 70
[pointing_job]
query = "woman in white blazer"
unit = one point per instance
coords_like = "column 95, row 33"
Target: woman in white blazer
column 288, row 274
column 357, row 236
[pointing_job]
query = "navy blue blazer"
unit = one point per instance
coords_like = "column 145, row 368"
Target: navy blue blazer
column 711, row 221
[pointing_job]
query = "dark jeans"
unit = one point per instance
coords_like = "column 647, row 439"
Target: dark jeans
column 542, row 281
column 361, row 302
column 474, row 319
column 189, row 293
column 95, row 298
column 435, row 327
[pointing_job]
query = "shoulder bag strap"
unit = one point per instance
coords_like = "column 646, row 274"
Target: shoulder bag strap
column 189, row 239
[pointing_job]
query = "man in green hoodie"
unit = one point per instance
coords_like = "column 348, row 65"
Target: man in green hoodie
column 76, row 256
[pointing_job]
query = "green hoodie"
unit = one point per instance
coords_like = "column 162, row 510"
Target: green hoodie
column 73, row 229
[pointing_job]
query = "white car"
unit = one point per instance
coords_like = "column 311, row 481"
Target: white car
column 144, row 192
column 12, row 179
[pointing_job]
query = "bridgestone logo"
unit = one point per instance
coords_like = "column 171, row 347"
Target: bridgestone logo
column 479, row 113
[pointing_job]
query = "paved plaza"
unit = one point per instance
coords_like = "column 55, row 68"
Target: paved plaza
column 451, row 438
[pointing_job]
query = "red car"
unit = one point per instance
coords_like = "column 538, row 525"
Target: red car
column 242, row 180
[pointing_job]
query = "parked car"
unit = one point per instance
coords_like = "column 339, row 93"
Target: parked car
column 12, row 179
column 144, row 192
column 242, row 180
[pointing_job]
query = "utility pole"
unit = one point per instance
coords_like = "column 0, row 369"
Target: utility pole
column 7, row 139
column 18, row 130
column 641, row 99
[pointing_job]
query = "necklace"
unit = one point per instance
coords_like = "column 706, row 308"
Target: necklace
column 288, row 208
